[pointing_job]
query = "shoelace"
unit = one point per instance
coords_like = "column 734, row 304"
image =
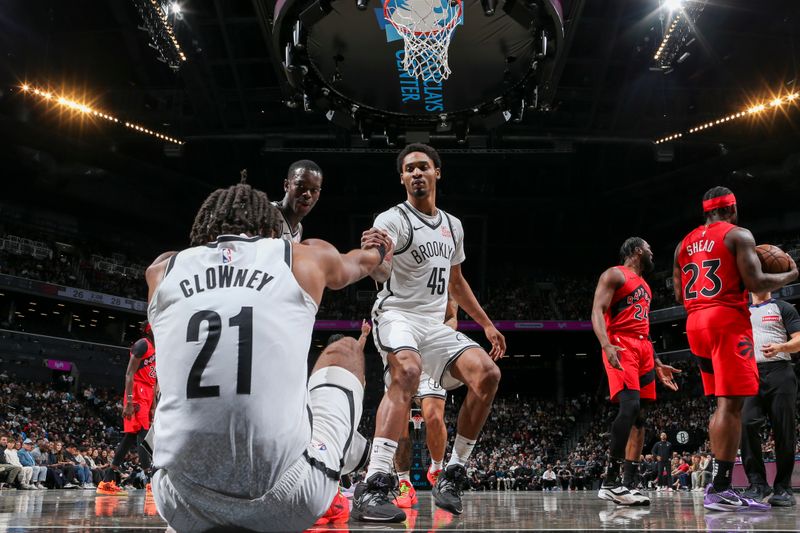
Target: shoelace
column 380, row 494
column 451, row 486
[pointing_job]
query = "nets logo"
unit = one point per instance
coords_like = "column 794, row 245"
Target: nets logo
column 227, row 256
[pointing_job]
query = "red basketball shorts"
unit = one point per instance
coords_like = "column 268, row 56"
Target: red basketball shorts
column 638, row 373
column 142, row 400
column 722, row 340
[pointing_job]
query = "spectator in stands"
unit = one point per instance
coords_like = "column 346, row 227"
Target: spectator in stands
column 549, row 479
column 649, row 472
column 9, row 474
column 39, row 473
column 681, row 475
column 12, row 458
column 564, row 477
column 82, row 470
column 63, row 461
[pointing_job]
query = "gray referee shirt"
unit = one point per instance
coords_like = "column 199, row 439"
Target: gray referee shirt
column 773, row 322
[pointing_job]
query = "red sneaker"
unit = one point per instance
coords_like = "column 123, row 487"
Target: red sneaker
column 407, row 496
column 433, row 476
column 339, row 511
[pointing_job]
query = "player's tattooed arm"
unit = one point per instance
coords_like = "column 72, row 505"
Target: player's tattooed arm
column 611, row 280
column 754, row 278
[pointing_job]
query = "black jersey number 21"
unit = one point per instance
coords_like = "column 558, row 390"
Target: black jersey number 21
column 243, row 321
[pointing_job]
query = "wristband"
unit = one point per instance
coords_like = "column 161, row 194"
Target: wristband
column 382, row 251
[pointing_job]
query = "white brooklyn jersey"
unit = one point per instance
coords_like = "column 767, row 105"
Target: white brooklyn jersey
column 286, row 230
column 425, row 249
column 235, row 328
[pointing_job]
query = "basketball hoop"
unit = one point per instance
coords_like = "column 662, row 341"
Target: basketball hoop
column 426, row 27
column 417, row 421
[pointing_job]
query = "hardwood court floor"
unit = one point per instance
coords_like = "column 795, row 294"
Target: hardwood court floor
column 75, row 510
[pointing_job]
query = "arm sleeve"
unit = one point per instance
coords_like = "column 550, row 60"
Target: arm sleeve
column 139, row 348
column 791, row 318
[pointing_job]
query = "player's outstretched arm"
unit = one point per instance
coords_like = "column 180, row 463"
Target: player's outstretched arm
column 462, row 293
column 318, row 265
column 755, row 280
column 366, row 327
column 611, row 280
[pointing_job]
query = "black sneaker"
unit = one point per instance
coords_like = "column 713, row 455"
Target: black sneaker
column 372, row 501
column 447, row 492
column 782, row 498
column 757, row 492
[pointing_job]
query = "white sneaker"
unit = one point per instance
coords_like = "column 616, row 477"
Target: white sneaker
column 643, row 498
column 619, row 495
column 70, row 486
column 41, row 486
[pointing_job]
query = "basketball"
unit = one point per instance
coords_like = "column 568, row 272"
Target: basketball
column 773, row 259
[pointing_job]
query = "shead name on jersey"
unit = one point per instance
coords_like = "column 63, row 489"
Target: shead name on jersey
column 703, row 245
column 223, row 277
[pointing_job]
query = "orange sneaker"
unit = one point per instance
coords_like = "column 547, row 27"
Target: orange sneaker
column 106, row 505
column 433, row 476
column 147, row 490
column 110, row 488
column 407, row 496
column 339, row 511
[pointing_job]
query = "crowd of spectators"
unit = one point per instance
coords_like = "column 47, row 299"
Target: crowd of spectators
column 55, row 436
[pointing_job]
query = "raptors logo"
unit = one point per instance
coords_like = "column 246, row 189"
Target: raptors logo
column 745, row 348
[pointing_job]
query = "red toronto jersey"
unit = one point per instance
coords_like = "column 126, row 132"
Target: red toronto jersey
column 146, row 373
column 629, row 311
column 709, row 273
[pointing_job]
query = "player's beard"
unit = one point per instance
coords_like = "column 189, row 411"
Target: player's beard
column 419, row 193
column 647, row 264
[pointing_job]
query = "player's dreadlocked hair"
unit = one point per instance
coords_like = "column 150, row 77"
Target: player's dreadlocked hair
column 629, row 247
column 418, row 147
column 716, row 192
column 237, row 209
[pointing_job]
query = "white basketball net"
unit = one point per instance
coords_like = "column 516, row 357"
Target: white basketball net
column 426, row 27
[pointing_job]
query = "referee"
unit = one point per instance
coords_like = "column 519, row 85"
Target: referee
column 776, row 334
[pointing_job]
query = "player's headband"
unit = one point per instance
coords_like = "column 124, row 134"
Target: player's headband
column 718, row 202
column 147, row 327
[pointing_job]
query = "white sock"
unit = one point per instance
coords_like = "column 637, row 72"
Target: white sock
column 436, row 465
column 462, row 449
column 381, row 459
column 405, row 476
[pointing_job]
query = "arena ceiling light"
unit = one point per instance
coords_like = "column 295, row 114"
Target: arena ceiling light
column 162, row 36
column 678, row 32
column 65, row 102
column 789, row 99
